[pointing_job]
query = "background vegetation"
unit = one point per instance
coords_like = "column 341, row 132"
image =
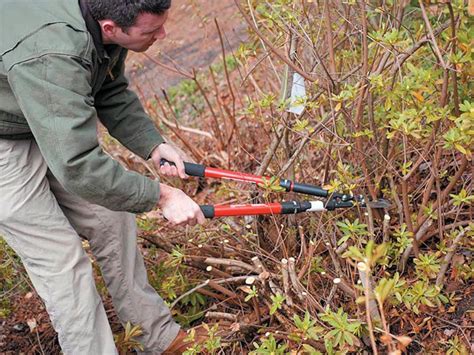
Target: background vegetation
column 388, row 113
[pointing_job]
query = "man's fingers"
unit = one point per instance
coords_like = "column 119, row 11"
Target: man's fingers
column 164, row 168
column 179, row 208
column 190, row 220
column 201, row 219
column 174, row 170
column 199, row 215
column 168, row 170
column 181, row 173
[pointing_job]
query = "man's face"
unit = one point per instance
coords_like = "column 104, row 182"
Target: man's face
column 147, row 29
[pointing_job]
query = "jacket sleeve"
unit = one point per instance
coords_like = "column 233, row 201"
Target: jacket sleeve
column 54, row 93
column 120, row 110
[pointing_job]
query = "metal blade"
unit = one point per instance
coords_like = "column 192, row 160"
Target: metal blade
column 380, row 203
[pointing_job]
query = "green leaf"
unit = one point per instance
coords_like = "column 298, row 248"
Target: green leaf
column 310, row 350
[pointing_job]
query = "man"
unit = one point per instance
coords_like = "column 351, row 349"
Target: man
column 61, row 69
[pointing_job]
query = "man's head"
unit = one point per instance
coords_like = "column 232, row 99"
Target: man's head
column 132, row 24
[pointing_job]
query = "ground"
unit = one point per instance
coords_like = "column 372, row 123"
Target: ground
column 192, row 42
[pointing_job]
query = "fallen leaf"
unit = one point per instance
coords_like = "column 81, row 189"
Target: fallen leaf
column 32, row 324
column 418, row 96
column 235, row 327
column 404, row 340
column 386, row 339
column 19, row 327
column 246, row 289
column 449, row 332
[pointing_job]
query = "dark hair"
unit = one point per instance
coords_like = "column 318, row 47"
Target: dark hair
column 124, row 12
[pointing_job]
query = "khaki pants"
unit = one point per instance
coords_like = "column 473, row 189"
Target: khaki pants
column 42, row 222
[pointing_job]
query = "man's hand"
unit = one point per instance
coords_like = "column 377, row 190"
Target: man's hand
column 168, row 152
column 179, row 208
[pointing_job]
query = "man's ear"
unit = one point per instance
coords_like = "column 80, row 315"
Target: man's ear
column 109, row 28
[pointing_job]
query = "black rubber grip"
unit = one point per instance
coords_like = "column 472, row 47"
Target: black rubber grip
column 332, row 204
column 207, row 210
column 310, row 190
column 194, row 169
column 189, row 168
column 291, row 207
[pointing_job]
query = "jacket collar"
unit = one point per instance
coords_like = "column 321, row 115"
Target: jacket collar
column 93, row 28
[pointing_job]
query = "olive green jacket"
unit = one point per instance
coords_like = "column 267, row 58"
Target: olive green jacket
column 56, row 80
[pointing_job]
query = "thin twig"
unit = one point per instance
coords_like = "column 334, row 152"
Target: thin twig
column 364, row 273
column 421, row 231
column 175, row 70
column 222, row 315
column 226, row 71
column 449, row 256
column 433, row 38
column 270, row 45
column 229, row 262
column 286, row 283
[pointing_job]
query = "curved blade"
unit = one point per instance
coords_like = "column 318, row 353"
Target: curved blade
column 379, row 203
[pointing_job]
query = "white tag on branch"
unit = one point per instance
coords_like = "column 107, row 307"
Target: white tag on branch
column 298, row 95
